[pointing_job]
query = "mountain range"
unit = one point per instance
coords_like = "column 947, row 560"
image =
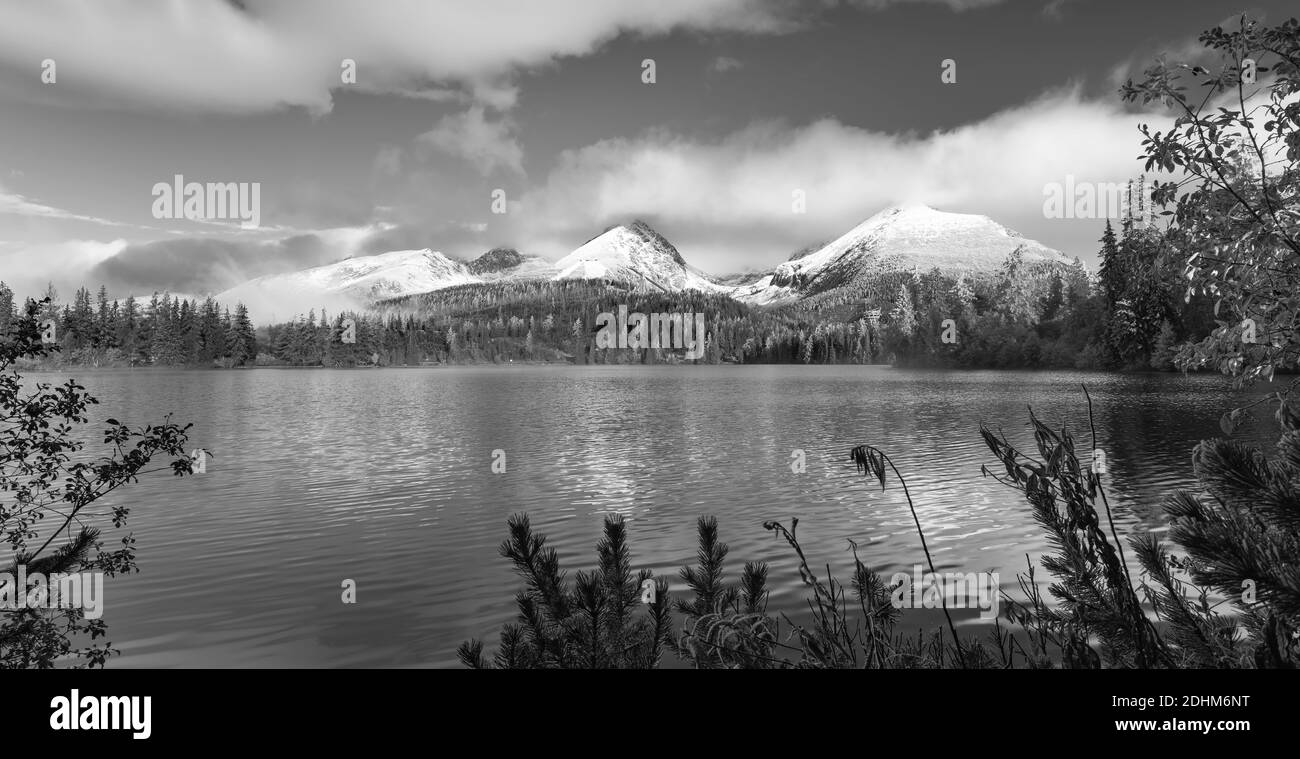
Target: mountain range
column 909, row 238
column 901, row 238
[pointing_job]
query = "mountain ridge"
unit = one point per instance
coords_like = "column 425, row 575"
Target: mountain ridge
column 899, row 238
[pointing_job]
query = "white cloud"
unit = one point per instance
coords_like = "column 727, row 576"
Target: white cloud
column 489, row 145
column 29, row 267
column 208, row 55
column 13, row 203
column 723, row 64
column 956, row 5
column 720, row 199
column 726, row 203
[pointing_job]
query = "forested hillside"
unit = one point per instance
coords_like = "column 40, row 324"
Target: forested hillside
column 1134, row 314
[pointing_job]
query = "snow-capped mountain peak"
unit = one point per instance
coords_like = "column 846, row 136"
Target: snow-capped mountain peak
column 634, row 254
column 400, row 272
column 907, row 237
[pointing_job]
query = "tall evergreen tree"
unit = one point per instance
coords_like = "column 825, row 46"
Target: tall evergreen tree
column 104, row 327
column 51, row 308
column 79, row 329
column 128, row 330
column 7, row 312
column 904, row 312
column 211, row 333
column 1112, row 274
column 245, row 343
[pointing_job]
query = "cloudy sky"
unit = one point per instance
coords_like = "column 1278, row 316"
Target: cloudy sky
column 545, row 101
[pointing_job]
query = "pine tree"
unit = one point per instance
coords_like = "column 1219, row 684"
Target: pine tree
column 104, row 328
column 1016, row 294
column 1121, row 332
column 187, row 332
column 7, row 313
column 904, row 312
column 1051, row 303
column 1162, row 355
column 579, row 342
column 212, row 333
column 1241, row 530
column 50, row 310
column 148, row 326
column 165, row 340
column 282, row 343
column 230, row 339
column 244, row 345
column 595, row 622
column 127, row 330
column 79, row 326
column 962, row 297
column 452, row 347
column 1113, row 274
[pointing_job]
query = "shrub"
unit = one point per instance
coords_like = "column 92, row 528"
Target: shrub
column 40, row 480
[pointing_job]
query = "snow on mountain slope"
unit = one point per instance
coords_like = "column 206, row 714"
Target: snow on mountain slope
column 350, row 284
column 901, row 238
column 508, row 263
column 637, row 255
column 532, row 267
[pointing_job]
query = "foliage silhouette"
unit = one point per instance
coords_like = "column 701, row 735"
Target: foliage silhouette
column 42, row 476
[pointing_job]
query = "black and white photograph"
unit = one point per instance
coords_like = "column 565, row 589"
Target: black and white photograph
column 344, row 341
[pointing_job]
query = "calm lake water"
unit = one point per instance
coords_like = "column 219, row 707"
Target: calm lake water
column 385, row 477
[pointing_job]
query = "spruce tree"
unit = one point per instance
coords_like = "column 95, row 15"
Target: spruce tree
column 904, row 312
column 245, row 335
column 80, row 326
column 1162, row 354
column 104, row 328
column 1112, row 273
column 7, row 313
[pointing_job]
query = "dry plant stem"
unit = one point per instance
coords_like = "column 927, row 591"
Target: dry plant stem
column 956, row 641
column 961, row 658
column 1119, row 545
column 1110, row 519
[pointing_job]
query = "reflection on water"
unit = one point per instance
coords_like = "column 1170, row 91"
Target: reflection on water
column 385, row 477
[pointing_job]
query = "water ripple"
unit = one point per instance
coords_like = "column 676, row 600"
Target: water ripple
column 386, row 478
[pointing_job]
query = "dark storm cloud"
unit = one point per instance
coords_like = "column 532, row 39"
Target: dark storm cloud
column 199, row 266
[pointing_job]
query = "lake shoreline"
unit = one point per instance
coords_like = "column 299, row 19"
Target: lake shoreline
column 90, row 369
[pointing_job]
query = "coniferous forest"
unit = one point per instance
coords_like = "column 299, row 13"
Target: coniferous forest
column 163, row 331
